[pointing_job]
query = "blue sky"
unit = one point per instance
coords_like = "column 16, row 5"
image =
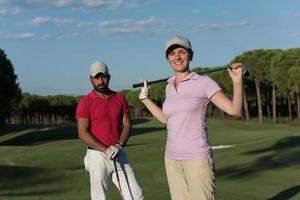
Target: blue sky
column 52, row 43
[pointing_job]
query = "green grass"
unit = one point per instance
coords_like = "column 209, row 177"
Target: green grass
column 46, row 163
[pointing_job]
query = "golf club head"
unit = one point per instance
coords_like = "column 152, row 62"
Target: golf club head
column 246, row 72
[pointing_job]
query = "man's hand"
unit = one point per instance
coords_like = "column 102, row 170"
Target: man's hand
column 144, row 91
column 113, row 150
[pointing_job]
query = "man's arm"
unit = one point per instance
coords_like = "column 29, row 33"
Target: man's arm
column 113, row 150
column 126, row 123
column 85, row 135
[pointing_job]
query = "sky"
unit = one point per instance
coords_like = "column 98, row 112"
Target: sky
column 52, row 44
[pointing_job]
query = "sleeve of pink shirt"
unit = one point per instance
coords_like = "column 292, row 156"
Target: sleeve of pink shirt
column 211, row 85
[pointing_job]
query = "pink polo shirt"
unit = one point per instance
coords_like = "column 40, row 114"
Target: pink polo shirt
column 185, row 110
column 105, row 115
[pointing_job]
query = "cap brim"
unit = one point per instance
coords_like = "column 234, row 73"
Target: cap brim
column 174, row 46
column 94, row 74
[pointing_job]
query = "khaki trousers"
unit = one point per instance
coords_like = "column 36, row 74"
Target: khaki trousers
column 191, row 179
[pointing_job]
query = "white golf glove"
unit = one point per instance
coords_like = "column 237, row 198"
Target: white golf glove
column 144, row 91
column 113, row 150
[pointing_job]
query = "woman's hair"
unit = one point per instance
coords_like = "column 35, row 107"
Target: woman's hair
column 171, row 48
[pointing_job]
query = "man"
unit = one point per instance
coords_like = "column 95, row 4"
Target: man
column 103, row 124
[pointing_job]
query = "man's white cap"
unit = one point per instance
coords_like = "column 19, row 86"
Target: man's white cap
column 99, row 67
column 178, row 40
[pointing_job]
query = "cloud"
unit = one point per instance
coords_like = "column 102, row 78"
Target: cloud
column 209, row 27
column 220, row 27
column 94, row 4
column 239, row 24
column 147, row 22
column 63, row 3
column 3, row 12
column 40, row 20
column 295, row 34
column 60, row 21
column 42, row 37
column 148, row 26
column 111, row 23
column 195, row 11
column 16, row 10
column 294, row 13
column 15, row 6
column 81, row 24
column 21, row 36
column 47, row 37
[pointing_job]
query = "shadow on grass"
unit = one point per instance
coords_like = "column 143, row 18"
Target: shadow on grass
column 13, row 179
column 7, row 129
column 27, row 135
column 144, row 130
column 284, row 153
column 286, row 194
column 136, row 121
column 46, row 134
column 135, row 144
column 40, row 193
column 42, row 135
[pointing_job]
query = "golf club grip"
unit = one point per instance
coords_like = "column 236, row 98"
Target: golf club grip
column 149, row 83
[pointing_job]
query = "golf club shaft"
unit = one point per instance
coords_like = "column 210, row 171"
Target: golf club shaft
column 245, row 73
column 118, row 178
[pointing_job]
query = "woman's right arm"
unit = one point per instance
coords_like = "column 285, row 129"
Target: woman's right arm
column 150, row 105
column 155, row 110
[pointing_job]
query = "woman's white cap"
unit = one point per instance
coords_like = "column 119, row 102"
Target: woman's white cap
column 178, row 40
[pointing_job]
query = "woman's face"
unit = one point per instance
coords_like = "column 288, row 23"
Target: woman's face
column 179, row 59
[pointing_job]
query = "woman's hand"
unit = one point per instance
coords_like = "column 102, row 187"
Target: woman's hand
column 236, row 72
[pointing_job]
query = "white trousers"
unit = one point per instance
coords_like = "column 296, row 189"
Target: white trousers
column 101, row 169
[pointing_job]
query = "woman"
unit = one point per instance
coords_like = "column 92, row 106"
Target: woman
column 188, row 155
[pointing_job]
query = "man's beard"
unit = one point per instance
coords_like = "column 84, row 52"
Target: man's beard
column 104, row 89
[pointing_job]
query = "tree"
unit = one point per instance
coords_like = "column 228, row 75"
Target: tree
column 134, row 103
column 257, row 61
column 224, row 81
column 57, row 109
column 9, row 88
column 294, row 83
column 276, row 74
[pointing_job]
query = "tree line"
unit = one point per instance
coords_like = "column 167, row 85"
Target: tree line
column 34, row 109
column 270, row 92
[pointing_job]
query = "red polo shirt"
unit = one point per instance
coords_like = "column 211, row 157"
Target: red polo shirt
column 105, row 115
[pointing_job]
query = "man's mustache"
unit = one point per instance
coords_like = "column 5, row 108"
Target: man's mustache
column 100, row 86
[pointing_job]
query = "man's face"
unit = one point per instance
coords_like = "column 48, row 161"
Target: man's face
column 100, row 82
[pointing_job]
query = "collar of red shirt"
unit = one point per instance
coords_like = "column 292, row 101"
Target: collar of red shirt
column 93, row 94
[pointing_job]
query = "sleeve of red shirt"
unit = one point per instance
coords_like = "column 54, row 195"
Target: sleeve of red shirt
column 125, row 105
column 83, row 110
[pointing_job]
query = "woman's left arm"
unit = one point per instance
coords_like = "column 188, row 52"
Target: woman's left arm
column 234, row 106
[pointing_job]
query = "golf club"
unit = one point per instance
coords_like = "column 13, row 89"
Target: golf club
column 118, row 178
column 244, row 68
